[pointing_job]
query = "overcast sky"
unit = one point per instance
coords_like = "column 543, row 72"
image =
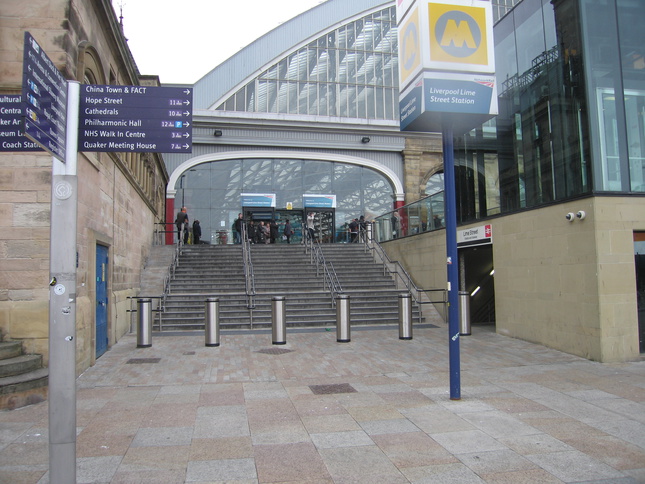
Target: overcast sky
column 182, row 40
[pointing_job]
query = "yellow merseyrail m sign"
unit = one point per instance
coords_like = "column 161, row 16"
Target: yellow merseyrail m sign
column 446, row 64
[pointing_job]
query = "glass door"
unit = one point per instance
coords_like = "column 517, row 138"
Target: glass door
column 324, row 224
column 295, row 218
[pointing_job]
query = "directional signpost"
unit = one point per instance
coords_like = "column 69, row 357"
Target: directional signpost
column 11, row 130
column 44, row 96
column 135, row 119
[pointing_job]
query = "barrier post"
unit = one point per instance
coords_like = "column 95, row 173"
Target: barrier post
column 144, row 323
column 343, row 330
column 211, row 328
column 278, row 327
column 405, row 316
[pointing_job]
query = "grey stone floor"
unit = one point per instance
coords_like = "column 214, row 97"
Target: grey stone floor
column 374, row 410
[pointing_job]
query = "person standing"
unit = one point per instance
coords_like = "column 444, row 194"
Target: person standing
column 273, row 230
column 237, row 229
column 182, row 225
column 310, row 225
column 266, row 232
column 353, row 230
column 197, row 232
column 288, row 231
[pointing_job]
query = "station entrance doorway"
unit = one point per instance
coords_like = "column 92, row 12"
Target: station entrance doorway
column 324, row 221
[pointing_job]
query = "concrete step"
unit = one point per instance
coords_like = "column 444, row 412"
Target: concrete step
column 10, row 349
column 20, row 364
column 24, row 389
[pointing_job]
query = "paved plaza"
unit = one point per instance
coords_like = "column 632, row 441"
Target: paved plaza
column 374, row 410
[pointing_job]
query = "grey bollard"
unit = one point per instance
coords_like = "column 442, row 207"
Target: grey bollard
column 343, row 330
column 464, row 313
column 405, row 316
column 211, row 328
column 279, row 327
column 144, row 323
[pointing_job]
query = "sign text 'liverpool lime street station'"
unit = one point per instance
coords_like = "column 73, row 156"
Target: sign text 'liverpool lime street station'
column 135, row 119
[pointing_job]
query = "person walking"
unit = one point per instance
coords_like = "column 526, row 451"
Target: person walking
column 182, row 225
column 288, row 231
column 353, row 230
column 266, row 232
column 197, row 232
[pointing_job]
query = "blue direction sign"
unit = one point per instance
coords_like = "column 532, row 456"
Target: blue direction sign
column 11, row 136
column 44, row 98
column 135, row 119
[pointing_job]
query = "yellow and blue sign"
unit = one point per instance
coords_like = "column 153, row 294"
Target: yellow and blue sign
column 446, row 64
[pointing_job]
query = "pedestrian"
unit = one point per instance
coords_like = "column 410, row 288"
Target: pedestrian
column 252, row 233
column 310, row 225
column 197, row 232
column 353, row 230
column 237, row 229
column 182, row 225
column 266, row 232
column 273, row 230
column 287, row 232
column 362, row 228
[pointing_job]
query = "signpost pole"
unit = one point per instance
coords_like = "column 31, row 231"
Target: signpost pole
column 452, row 260
column 62, row 303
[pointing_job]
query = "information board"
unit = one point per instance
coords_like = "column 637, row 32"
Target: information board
column 44, row 99
column 11, row 137
column 135, row 119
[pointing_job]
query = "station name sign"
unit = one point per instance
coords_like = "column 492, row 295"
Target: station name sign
column 135, row 119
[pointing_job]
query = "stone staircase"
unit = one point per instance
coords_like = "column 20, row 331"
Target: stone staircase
column 23, row 380
column 280, row 270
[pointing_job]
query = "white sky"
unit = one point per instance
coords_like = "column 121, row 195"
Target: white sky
column 182, row 40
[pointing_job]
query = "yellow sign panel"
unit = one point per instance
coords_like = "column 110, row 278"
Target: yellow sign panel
column 458, row 34
column 410, row 47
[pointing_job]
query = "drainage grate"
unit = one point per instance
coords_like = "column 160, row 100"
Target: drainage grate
column 189, row 353
column 329, row 389
column 275, row 351
column 138, row 361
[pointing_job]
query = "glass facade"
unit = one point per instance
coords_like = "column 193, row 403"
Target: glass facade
column 212, row 192
column 350, row 72
column 571, row 109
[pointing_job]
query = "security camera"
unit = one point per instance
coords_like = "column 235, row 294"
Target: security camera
column 570, row 216
column 581, row 215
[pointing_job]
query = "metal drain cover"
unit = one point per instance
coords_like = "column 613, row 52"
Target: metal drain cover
column 330, row 389
column 138, row 361
column 189, row 353
column 275, row 351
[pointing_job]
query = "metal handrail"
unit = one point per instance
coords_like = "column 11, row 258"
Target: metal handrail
column 249, row 274
column 330, row 277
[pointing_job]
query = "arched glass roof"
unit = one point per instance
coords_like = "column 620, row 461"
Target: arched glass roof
column 351, row 71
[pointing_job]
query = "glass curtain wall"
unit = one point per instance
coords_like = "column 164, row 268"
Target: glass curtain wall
column 349, row 72
column 212, row 191
column 537, row 150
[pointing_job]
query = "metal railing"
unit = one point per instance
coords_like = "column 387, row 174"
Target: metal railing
column 249, row 274
column 317, row 258
column 395, row 270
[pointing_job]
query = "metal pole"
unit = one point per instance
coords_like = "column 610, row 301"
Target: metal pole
column 62, row 302
column 279, row 328
column 452, row 261
column 144, row 323
column 405, row 316
column 211, row 331
column 343, row 329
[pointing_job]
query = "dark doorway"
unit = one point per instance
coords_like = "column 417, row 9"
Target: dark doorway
column 477, row 271
column 639, row 260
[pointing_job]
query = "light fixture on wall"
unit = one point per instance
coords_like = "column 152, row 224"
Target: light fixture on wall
column 365, row 139
column 217, row 133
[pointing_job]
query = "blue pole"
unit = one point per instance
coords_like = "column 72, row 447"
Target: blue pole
column 452, row 260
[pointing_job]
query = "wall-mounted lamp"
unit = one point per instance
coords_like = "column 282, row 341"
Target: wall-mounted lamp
column 217, row 133
column 365, row 139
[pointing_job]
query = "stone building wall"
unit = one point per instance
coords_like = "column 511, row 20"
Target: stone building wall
column 121, row 196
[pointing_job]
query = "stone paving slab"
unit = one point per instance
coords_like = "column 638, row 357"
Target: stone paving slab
column 374, row 410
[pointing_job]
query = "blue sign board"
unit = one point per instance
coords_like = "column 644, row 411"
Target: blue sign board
column 44, row 98
column 135, row 119
column 319, row 201
column 11, row 135
column 258, row 199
